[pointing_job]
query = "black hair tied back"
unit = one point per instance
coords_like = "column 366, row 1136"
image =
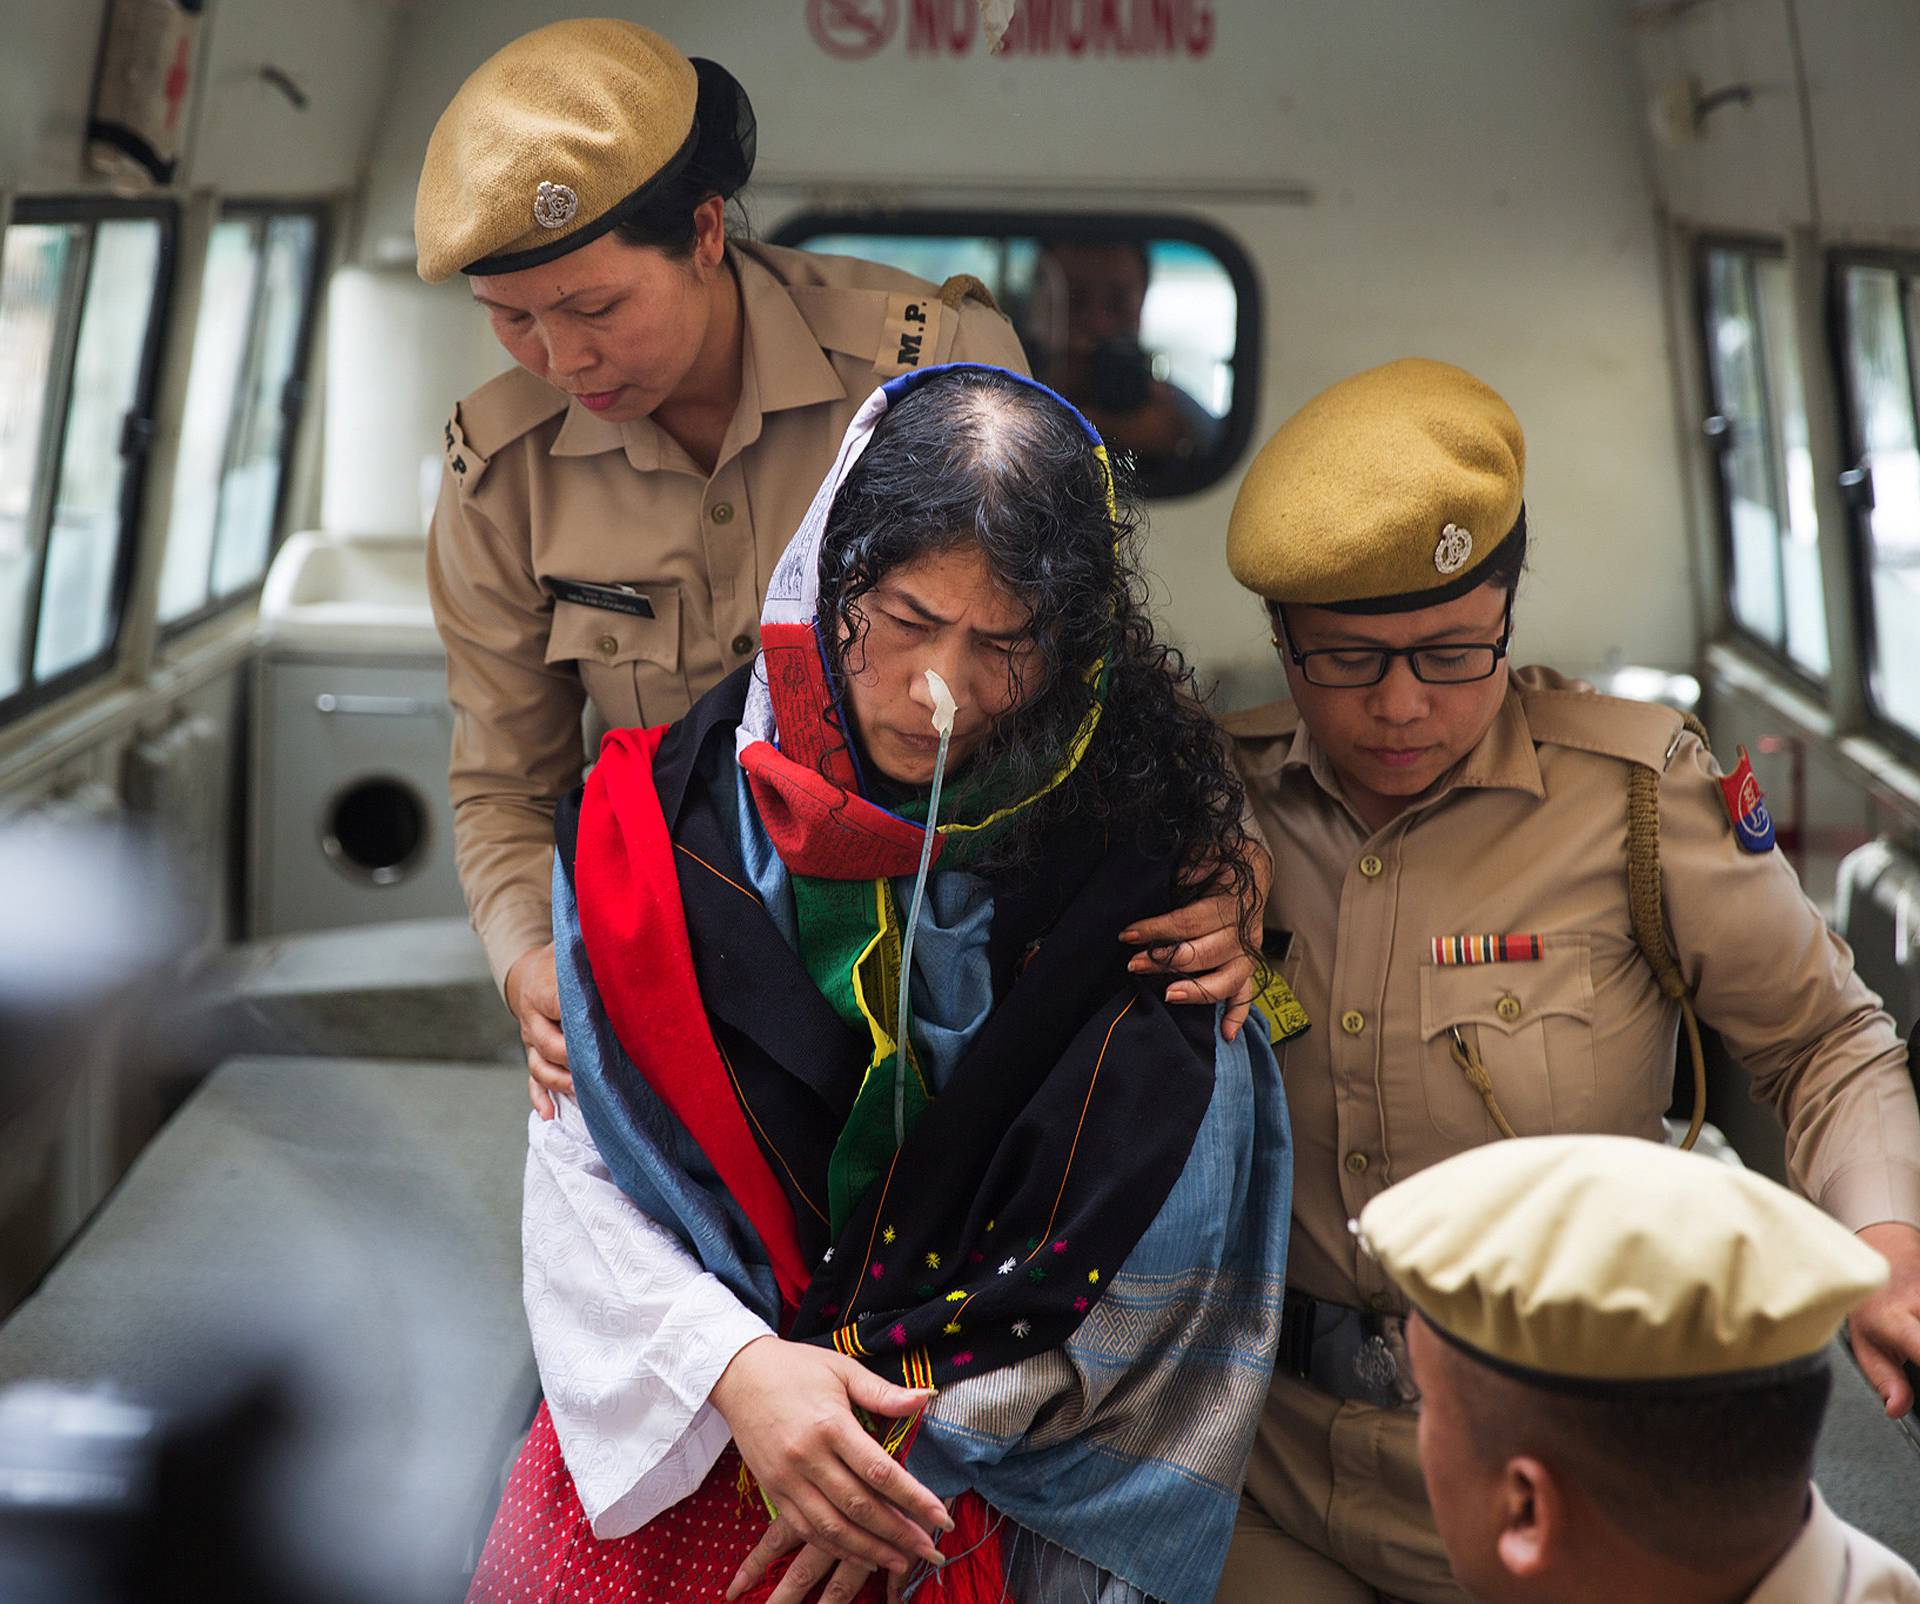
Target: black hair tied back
column 728, row 135
column 719, row 163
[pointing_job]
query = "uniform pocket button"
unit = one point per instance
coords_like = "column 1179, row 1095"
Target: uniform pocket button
column 1371, row 866
column 742, row 644
column 1356, row 1163
column 1353, row 1022
column 1508, row 1008
column 723, row 512
column 608, row 645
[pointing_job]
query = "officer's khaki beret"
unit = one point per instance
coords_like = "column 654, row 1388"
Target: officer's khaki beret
column 550, row 142
column 1609, row 1258
column 1396, row 484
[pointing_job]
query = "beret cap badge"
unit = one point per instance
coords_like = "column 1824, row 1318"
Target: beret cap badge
column 1456, row 546
column 554, row 205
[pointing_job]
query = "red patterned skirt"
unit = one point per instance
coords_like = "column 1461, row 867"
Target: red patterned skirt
column 542, row 1551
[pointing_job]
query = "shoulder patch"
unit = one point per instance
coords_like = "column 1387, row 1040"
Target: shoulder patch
column 1634, row 732
column 910, row 333
column 1272, row 721
column 463, row 461
column 1747, row 807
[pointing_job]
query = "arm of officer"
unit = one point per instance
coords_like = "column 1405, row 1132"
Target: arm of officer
column 1780, row 988
column 516, row 726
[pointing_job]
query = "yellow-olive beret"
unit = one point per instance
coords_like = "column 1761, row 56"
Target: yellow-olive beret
column 550, row 143
column 1613, row 1259
column 1396, row 484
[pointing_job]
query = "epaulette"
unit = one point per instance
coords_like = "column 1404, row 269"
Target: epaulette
column 1646, row 733
column 1270, row 721
column 494, row 416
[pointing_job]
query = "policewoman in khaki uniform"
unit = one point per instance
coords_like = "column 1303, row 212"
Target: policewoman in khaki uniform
column 612, row 507
column 1497, row 896
column 1613, row 1410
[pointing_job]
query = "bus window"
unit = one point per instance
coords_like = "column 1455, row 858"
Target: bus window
column 243, row 399
column 1766, row 470
column 80, row 288
column 1139, row 321
column 1878, row 315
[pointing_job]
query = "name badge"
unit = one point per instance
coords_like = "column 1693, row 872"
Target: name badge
column 613, row 598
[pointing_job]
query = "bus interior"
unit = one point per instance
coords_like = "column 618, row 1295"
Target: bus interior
column 261, row 1110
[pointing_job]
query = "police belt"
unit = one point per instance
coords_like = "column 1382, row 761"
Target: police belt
column 1351, row 1354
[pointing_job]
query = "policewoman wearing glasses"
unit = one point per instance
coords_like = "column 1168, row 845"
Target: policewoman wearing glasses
column 1498, row 896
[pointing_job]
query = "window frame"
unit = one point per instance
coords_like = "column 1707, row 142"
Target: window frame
column 1906, row 264
column 139, row 429
column 1134, row 228
column 1768, row 248
column 299, row 380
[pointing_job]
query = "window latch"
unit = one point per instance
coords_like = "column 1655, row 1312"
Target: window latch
column 1718, row 428
column 136, row 435
column 1856, row 487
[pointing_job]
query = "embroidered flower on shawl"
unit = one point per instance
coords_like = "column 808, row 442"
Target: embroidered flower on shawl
column 951, row 1329
column 1060, row 1246
column 1022, row 1328
column 899, row 1335
column 888, row 1235
column 963, row 1357
column 1079, row 1305
column 933, row 1261
column 878, row 1269
column 956, row 1297
column 1007, row 1268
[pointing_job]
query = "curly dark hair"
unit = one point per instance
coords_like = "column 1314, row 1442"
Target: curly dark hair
column 976, row 456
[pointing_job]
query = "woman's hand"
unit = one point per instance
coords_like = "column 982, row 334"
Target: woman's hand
column 811, row 1566
column 533, row 998
column 790, row 1407
column 1206, row 944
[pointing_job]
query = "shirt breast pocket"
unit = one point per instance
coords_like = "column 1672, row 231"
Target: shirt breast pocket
column 629, row 665
column 1531, row 1025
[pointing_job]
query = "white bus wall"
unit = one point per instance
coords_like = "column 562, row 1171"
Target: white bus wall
column 1463, row 179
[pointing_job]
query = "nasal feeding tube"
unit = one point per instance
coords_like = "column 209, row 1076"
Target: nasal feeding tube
column 943, row 710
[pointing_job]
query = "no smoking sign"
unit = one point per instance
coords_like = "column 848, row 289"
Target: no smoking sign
column 852, row 29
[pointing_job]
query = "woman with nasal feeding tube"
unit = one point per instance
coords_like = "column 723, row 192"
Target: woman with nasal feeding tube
column 1499, row 896
column 973, row 1279
column 612, row 506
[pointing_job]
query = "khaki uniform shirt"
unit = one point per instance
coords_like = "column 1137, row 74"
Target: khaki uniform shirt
column 537, row 488
column 1527, row 835
column 1831, row 1563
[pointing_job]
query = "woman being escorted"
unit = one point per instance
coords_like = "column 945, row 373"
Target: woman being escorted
column 993, row 1312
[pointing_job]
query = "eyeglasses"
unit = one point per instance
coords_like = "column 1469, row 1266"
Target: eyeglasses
column 1356, row 667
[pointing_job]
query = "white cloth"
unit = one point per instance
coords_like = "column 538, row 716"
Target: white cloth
column 629, row 1332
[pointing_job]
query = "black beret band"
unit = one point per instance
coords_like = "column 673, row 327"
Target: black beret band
column 1650, row 1390
column 1459, row 585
